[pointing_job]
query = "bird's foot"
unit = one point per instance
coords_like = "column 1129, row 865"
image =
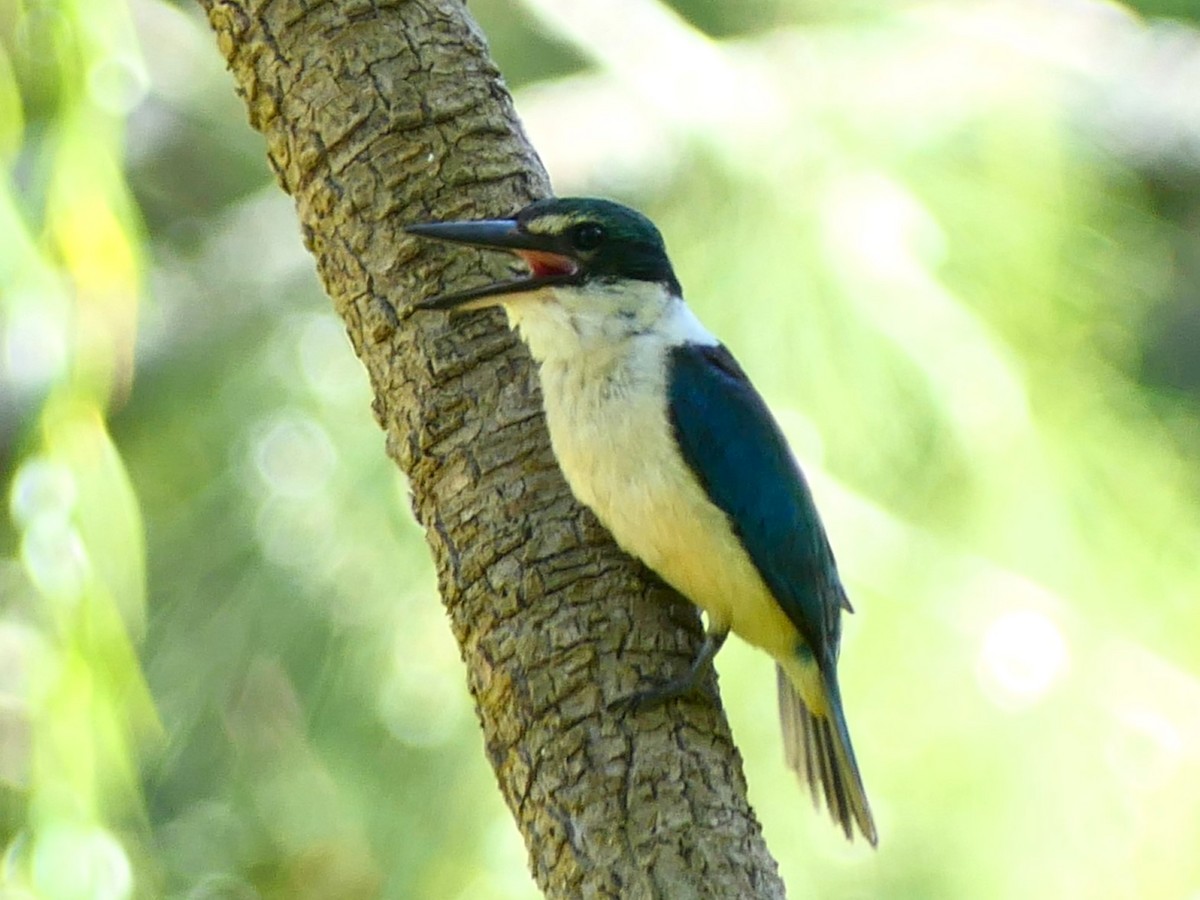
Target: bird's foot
column 691, row 681
column 657, row 694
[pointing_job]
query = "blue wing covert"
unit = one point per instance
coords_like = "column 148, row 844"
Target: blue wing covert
column 739, row 455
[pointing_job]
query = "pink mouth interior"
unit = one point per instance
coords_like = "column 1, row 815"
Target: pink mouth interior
column 542, row 264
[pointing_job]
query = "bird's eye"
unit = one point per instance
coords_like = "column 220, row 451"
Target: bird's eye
column 587, row 236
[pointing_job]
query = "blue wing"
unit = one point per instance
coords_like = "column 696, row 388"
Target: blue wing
column 737, row 452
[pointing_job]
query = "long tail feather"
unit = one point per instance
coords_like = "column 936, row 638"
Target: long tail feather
column 817, row 746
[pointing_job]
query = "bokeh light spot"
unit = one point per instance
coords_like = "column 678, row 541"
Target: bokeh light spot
column 40, row 487
column 35, row 346
column 294, row 456
column 118, row 84
column 879, row 225
column 81, row 863
column 55, row 557
column 420, row 704
column 42, row 499
column 1023, row 654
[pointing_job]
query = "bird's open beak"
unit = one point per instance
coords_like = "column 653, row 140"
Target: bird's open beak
column 547, row 265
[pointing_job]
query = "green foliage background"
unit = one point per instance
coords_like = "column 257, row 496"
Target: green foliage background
column 955, row 244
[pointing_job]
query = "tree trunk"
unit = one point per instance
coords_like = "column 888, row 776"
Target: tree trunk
column 381, row 113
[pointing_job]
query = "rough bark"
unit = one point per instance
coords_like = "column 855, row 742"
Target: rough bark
column 380, row 113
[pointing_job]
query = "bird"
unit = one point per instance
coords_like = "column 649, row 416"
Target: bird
column 658, row 430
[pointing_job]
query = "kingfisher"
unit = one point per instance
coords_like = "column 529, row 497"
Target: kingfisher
column 660, row 433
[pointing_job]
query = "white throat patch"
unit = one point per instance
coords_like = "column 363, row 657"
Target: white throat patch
column 602, row 318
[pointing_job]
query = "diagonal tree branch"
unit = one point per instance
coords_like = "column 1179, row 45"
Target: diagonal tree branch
column 377, row 114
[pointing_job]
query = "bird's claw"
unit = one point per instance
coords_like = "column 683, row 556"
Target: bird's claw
column 657, row 694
